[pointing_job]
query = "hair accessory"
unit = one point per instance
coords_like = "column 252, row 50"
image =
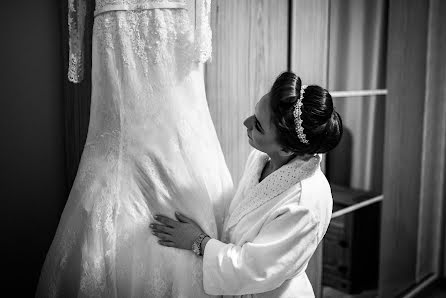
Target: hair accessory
column 297, row 120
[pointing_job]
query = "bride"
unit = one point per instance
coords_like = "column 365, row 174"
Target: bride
column 151, row 148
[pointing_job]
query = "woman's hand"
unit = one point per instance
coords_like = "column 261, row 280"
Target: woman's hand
column 172, row 233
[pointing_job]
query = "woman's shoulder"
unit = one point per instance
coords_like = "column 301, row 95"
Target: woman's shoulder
column 313, row 194
column 317, row 182
column 292, row 212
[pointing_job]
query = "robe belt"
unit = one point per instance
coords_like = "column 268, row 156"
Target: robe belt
column 139, row 7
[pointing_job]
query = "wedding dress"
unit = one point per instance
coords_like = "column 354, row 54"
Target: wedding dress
column 151, row 148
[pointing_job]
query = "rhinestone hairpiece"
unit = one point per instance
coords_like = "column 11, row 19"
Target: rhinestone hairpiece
column 297, row 120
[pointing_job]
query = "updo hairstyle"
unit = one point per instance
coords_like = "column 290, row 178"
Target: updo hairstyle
column 322, row 124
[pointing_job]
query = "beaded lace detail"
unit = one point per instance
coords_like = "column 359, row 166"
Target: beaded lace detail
column 101, row 4
column 132, row 21
column 76, row 27
column 203, row 33
column 273, row 185
column 151, row 149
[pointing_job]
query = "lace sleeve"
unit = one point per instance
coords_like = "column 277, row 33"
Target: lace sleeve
column 76, row 24
column 203, row 33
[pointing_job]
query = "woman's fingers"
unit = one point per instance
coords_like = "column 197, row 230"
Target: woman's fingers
column 182, row 218
column 165, row 220
column 162, row 236
column 161, row 228
column 166, row 243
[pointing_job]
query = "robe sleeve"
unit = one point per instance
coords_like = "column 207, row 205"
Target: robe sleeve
column 280, row 251
column 76, row 27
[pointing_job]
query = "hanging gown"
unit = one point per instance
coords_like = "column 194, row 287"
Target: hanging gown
column 151, row 148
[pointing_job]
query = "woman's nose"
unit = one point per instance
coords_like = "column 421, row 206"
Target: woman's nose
column 248, row 122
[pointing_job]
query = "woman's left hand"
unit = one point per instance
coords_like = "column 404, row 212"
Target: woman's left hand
column 172, row 233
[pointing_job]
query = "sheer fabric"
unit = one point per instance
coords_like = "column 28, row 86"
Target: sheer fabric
column 76, row 27
column 151, row 148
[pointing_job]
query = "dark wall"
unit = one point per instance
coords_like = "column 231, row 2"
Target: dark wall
column 33, row 186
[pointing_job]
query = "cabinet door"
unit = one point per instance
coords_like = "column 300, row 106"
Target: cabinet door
column 414, row 146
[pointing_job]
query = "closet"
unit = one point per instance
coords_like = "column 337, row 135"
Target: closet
column 380, row 60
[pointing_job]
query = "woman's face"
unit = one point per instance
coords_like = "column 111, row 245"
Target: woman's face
column 261, row 131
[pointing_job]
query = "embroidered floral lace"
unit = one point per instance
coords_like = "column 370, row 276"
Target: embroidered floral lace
column 151, row 148
column 202, row 44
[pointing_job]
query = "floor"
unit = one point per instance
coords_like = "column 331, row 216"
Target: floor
column 332, row 293
column 437, row 290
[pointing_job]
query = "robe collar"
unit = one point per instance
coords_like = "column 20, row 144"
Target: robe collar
column 259, row 193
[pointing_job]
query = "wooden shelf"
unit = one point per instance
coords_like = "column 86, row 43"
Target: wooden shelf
column 351, row 244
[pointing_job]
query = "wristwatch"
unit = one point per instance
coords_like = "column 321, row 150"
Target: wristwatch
column 196, row 246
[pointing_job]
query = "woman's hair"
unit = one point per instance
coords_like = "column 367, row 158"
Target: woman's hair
column 322, row 125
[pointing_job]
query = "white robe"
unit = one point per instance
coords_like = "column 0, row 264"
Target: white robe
column 271, row 230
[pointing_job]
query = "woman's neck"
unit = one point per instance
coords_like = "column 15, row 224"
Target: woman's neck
column 277, row 161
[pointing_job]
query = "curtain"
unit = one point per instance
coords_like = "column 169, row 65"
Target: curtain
column 357, row 51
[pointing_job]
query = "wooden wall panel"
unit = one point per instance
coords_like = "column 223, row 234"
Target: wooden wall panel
column 250, row 48
column 403, row 144
column 434, row 147
column 308, row 59
column 309, row 40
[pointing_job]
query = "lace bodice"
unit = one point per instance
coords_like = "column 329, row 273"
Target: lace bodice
column 101, row 4
column 151, row 149
column 76, row 26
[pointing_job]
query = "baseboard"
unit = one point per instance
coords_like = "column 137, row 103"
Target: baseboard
column 412, row 293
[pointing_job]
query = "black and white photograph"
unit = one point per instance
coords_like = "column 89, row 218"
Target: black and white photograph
column 223, row 148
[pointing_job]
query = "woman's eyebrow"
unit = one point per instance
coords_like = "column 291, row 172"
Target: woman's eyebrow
column 258, row 122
